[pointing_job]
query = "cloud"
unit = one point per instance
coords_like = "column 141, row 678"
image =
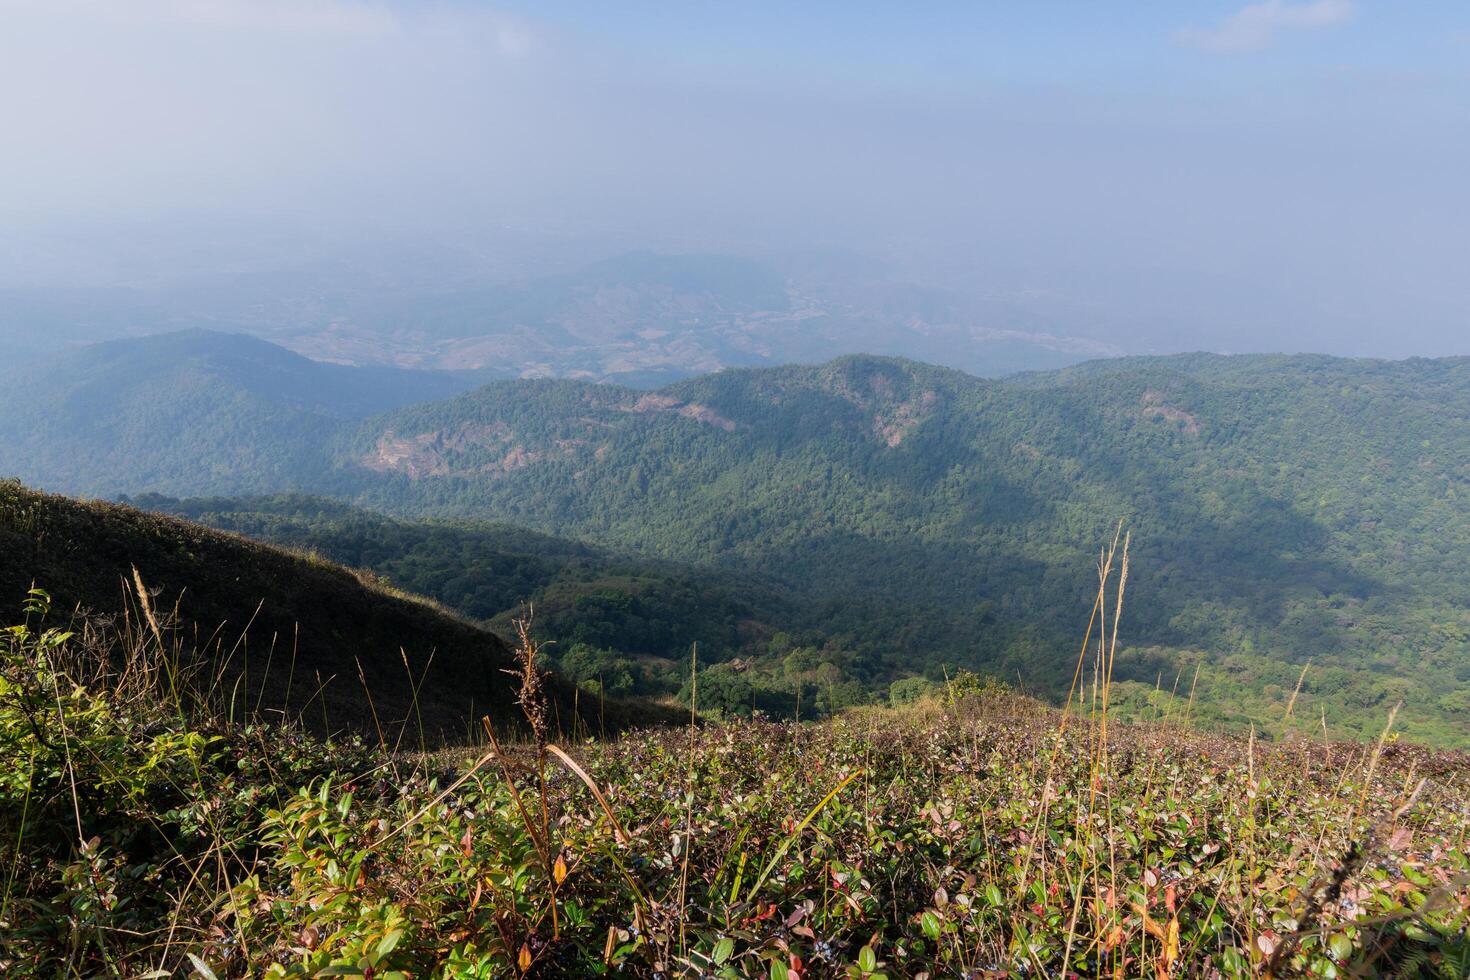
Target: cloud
column 1258, row 25
column 244, row 105
column 329, row 17
column 312, row 17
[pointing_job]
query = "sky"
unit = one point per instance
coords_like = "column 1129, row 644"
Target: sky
column 1285, row 174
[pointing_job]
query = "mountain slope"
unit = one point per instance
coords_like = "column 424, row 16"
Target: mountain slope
column 301, row 636
column 1284, row 510
column 616, row 621
column 1217, row 448
column 195, row 410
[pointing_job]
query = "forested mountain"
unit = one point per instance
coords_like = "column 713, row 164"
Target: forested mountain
column 194, row 410
column 617, row 623
column 289, row 636
column 1283, row 510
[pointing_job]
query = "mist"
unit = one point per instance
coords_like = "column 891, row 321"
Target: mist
column 1273, row 176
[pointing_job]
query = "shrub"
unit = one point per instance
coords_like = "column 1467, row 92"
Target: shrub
column 966, row 685
column 907, row 690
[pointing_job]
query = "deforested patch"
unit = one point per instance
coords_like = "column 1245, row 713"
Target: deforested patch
column 1155, row 406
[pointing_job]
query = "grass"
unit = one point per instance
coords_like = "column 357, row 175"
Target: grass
column 979, row 833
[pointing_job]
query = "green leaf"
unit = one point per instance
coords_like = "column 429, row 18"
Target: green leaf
column 389, row 942
column 930, row 925
column 202, row 968
column 723, row 949
column 867, row 959
column 779, row 971
column 796, row 833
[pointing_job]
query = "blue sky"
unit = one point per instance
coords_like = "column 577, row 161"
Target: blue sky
column 1285, row 171
column 957, row 45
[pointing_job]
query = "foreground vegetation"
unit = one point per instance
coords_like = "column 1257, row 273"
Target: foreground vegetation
column 976, row 833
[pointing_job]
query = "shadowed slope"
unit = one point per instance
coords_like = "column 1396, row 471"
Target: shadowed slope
column 282, row 625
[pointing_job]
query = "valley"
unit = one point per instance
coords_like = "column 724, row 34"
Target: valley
column 640, row 318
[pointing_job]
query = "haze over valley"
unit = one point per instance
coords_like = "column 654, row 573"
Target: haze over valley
column 550, row 192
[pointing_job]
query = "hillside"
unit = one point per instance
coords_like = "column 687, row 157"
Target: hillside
column 616, row 622
column 975, row 834
column 824, row 533
column 294, row 637
column 1284, row 510
column 191, row 410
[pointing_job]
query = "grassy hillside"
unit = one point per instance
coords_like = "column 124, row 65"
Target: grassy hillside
column 978, row 835
column 191, row 410
column 158, row 819
column 288, row 636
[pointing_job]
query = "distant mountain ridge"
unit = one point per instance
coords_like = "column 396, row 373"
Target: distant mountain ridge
column 194, row 409
column 641, row 318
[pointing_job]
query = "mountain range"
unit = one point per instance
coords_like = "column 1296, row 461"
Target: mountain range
column 195, row 408
column 886, row 518
column 639, row 318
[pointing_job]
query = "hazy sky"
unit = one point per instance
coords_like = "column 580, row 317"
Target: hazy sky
column 1166, row 166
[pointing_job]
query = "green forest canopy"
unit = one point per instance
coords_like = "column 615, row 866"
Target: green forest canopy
column 914, row 520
